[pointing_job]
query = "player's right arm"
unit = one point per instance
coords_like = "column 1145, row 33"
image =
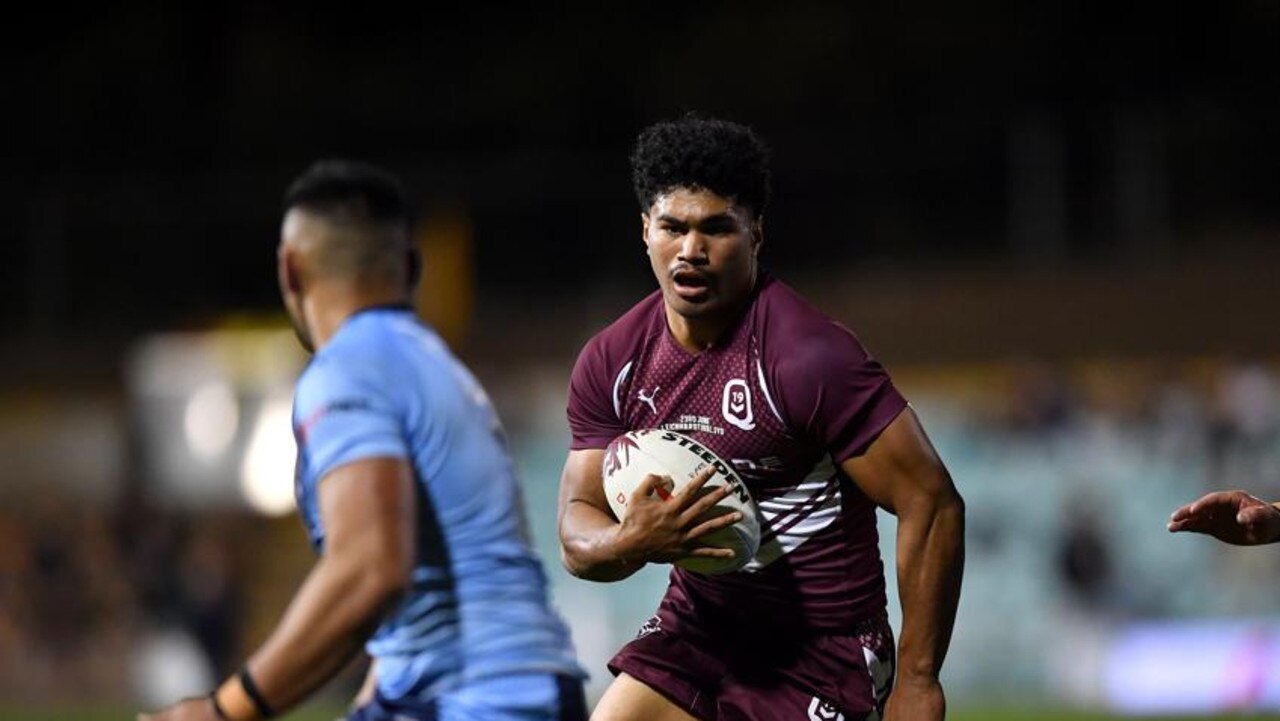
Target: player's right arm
column 595, row 546
column 362, row 488
column 589, row 545
column 1233, row 517
column 368, row 510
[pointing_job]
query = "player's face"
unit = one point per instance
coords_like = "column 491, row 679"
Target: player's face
column 703, row 250
column 292, row 237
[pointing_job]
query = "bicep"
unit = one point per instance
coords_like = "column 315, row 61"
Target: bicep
column 901, row 468
column 583, row 480
column 368, row 510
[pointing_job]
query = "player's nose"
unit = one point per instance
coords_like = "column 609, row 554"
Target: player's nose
column 693, row 247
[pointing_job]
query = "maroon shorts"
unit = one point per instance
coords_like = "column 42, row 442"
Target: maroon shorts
column 723, row 674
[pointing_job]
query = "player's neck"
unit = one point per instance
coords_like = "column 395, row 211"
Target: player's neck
column 330, row 305
column 698, row 334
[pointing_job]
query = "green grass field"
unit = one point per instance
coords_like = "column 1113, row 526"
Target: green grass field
column 84, row 714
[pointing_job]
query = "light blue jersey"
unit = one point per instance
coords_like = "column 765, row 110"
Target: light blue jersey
column 477, row 609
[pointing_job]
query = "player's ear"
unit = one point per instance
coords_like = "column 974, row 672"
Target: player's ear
column 413, row 268
column 644, row 230
column 290, row 273
column 757, row 234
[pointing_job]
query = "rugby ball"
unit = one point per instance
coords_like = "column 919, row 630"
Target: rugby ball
column 636, row 454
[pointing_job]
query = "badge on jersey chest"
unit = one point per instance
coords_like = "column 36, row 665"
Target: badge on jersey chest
column 736, row 404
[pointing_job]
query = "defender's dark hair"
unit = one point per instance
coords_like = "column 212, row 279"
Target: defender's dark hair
column 724, row 157
column 350, row 190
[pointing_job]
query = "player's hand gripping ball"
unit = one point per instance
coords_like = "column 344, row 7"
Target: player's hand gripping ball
column 636, row 454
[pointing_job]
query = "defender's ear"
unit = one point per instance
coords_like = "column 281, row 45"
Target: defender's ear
column 290, row 273
column 413, row 266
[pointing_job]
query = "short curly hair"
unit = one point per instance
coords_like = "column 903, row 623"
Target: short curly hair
column 724, row 157
column 350, row 189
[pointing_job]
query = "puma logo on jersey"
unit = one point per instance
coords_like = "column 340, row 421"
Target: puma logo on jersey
column 649, row 398
column 736, row 405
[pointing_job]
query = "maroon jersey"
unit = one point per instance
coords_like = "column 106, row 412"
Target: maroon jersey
column 785, row 396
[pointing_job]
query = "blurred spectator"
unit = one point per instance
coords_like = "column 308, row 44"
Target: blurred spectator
column 1249, row 402
column 1245, row 430
column 1039, row 399
column 209, row 597
column 1085, row 565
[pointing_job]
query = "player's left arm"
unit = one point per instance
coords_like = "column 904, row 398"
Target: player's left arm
column 367, row 509
column 901, row 472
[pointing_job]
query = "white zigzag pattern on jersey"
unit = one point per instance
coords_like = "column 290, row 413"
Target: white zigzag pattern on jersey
column 819, row 510
column 785, row 502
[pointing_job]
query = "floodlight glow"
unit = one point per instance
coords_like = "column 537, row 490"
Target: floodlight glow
column 266, row 474
column 210, row 420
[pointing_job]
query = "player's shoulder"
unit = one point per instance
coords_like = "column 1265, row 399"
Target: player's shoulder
column 361, row 353
column 331, row 373
column 373, row 330
column 799, row 341
column 785, row 317
column 621, row 338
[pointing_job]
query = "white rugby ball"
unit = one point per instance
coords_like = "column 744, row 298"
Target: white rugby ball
column 635, row 454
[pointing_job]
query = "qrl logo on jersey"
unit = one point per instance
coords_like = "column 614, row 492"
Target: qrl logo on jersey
column 736, row 405
column 820, row 710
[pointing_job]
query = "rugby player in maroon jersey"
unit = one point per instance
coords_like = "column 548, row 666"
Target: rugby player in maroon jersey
column 731, row 356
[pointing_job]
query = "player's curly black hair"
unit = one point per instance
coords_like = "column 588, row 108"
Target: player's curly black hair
column 724, row 157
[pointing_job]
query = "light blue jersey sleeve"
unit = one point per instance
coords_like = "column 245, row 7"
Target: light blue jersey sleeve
column 342, row 414
column 476, row 607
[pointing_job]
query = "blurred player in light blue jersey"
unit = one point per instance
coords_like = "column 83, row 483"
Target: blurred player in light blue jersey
column 407, row 492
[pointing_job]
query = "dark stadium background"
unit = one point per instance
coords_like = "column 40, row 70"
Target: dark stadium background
column 999, row 199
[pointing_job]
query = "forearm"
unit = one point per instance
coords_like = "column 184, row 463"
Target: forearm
column 326, row 624
column 1275, row 536
column 591, row 546
column 368, row 687
column 930, row 567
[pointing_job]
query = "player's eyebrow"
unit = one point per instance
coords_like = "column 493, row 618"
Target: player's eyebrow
column 716, row 218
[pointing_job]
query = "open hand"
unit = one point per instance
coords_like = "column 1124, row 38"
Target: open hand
column 1233, row 517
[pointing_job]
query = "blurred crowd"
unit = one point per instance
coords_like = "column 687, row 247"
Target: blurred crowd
column 1122, row 445
column 87, row 593
column 1070, row 473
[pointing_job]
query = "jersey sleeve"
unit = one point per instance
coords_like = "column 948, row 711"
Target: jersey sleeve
column 593, row 420
column 833, row 390
column 345, row 413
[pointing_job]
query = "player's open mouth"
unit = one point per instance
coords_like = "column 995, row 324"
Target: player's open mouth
column 690, row 284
